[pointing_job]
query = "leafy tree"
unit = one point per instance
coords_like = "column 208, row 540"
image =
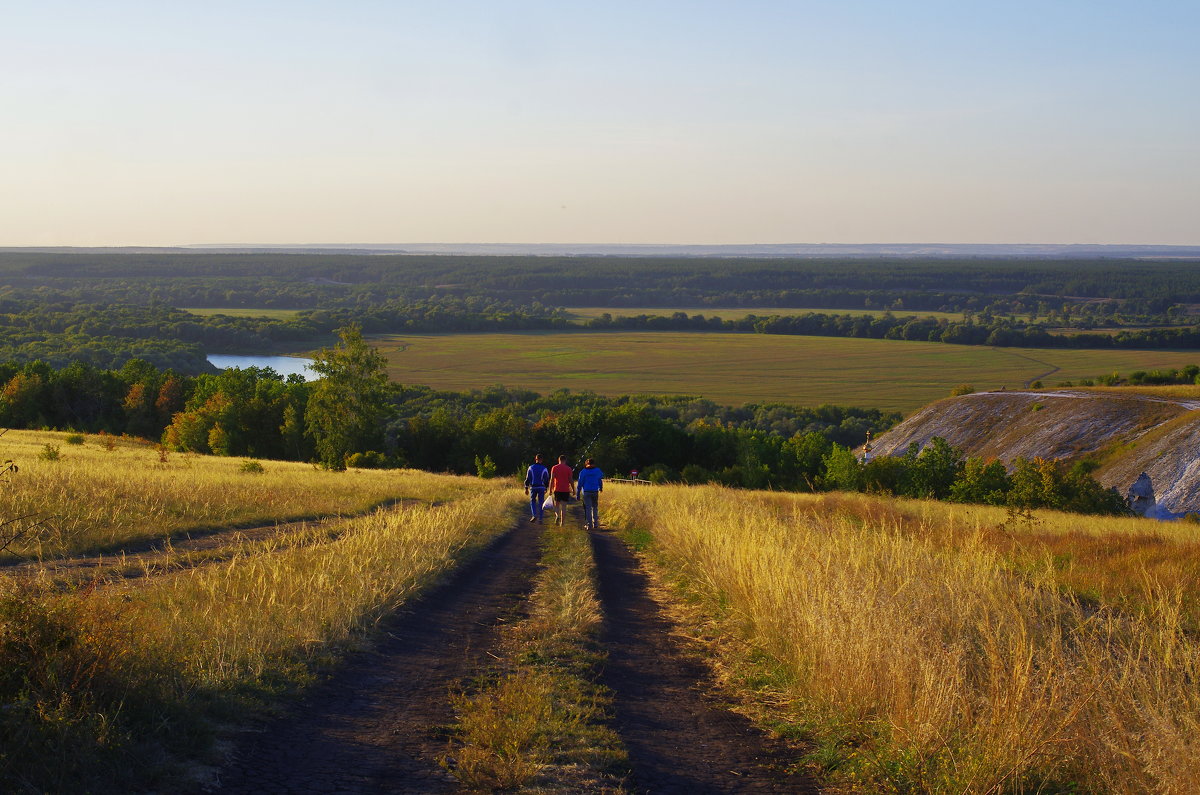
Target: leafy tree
column 933, row 471
column 348, row 405
column 980, row 481
column 842, row 470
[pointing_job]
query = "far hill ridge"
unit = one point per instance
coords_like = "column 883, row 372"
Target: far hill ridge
column 1127, row 432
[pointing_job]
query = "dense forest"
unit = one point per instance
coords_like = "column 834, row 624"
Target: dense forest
column 106, row 308
column 236, row 279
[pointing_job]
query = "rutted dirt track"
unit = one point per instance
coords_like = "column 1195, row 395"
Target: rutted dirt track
column 187, row 549
column 679, row 741
column 377, row 725
column 373, row 727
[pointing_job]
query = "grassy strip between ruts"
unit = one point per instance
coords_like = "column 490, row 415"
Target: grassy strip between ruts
column 538, row 721
column 914, row 667
column 102, row 688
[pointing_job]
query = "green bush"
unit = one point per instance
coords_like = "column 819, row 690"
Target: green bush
column 485, row 467
column 75, row 438
column 252, row 467
column 50, row 452
column 368, row 460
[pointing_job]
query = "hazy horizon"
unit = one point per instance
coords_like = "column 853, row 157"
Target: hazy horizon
column 666, row 123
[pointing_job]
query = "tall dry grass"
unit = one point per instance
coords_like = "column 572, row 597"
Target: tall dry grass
column 112, row 675
column 539, row 721
column 919, row 665
column 235, row 621
column 97, row 499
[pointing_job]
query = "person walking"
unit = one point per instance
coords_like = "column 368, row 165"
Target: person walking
column 590, row 483
column 537, row 478
column 561, row 486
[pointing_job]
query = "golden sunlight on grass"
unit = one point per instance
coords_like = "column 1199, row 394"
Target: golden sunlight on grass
column 920, row 655
column 96, row 498
column 540, row 720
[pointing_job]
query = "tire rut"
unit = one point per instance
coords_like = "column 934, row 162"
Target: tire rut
column 679, row 741
column 183, row 550
column 377, row 724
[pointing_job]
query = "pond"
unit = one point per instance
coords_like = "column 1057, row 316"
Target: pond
column 284, row 365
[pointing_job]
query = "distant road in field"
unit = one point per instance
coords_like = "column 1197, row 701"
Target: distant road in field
column 743, row 368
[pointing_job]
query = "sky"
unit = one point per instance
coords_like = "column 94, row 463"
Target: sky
column 700, row 122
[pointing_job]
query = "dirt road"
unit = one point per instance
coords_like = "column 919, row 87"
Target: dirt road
column 376, row 725
column 680, row 740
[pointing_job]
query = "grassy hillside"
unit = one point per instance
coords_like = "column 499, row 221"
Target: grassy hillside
column 741, row 368
column 934, row 648
column 106, row 684
column 108, row 492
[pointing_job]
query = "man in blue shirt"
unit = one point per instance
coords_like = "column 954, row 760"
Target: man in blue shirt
column 589, row 485
column 537, row 478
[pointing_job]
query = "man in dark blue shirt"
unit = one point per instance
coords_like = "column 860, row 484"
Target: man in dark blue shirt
column 589, row 485
column 537, row 478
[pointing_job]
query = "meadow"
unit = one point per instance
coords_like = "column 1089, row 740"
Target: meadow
column 937, row 648
column 275, row 314
column 112, row 684
column 108, row 492
column 743, row 368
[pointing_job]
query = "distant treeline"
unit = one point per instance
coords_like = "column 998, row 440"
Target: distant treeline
column 982, row 331
column 256, row 413
column 107, row 309
column 624, row 281
column 60, row 331
column 1188, row 375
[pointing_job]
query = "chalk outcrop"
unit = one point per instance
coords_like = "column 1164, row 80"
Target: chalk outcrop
column 1132, row 435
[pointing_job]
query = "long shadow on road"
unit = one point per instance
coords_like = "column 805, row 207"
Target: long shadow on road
column 375, row 726
column 679, row 741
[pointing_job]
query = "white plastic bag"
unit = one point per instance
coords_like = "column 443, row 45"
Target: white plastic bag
column 548, row 505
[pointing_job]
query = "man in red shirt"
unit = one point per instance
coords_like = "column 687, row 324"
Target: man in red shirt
column 561, row 485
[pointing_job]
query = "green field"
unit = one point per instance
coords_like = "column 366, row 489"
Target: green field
column 584, row 313
column 279, row 314
column 742, row 368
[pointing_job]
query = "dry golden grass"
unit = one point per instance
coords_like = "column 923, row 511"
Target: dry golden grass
column 539, row 722
column 236, row 621
column 98, row 499
column 920, row 658
column 104, row 673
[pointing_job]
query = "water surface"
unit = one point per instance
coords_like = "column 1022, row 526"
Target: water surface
column 284, row 365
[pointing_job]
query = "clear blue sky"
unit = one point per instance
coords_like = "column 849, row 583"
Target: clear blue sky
column 160, row 123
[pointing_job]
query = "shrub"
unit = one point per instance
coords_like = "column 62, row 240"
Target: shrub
column 485, row 467
column 367, row 460
column 962, row 389
column 50, row 452
column 251, row 466
column 75, row 438
column 660, row 473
